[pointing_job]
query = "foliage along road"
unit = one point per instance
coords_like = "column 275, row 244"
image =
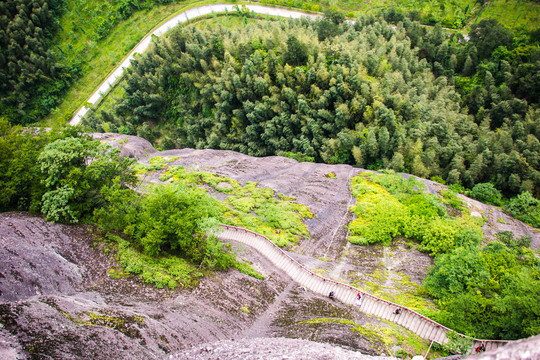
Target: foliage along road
column 180, row 18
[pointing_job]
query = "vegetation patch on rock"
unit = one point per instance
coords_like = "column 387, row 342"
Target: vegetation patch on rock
column 259, row 209
column 389, row 206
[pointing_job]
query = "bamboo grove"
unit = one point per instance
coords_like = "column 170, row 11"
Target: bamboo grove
column 33, row 76
column 372, row 94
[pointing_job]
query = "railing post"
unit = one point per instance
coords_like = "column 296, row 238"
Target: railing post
column 431, row 343
column 409, row 319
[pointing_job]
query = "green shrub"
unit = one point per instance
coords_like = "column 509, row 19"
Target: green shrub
column 507, row 238
column 487, row 193
column 525, row 208
column 451, row 198
column 438, row 179
column 468, row 238
column 496, row 284
column 458, row 188
column 438, row 236
column 389, row 205
column 167, row 271
column 300, row 157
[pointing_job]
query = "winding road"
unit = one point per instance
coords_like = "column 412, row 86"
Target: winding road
column 180, row 18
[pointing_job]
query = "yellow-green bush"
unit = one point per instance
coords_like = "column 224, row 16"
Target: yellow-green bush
column 389, row 205
column 259, row 209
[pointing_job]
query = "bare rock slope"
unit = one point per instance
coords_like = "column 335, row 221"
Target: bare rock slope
column 58, row 301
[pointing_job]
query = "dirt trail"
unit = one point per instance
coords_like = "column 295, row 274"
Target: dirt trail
column 261, row 327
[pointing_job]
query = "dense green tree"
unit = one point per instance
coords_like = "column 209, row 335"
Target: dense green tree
column 524, row 207
column 365, row 96
column 297, row 52
column 20, row 178
column 487, row 35
column 32, row 77
column 328, row 26
column 75, row 169
column 167, row 219
column 487, row 193
column 488, row 293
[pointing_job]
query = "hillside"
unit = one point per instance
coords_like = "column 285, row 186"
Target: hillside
column 77, row 35
column 50, row 274
column 369, row 94
column 248, row 162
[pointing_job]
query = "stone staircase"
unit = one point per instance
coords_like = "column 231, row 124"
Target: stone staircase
column 409, row 319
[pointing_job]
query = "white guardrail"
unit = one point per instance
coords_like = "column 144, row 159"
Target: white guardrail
column 370, row 304
column 182, row 17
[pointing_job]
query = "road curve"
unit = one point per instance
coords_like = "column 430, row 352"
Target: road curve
column 180, row 18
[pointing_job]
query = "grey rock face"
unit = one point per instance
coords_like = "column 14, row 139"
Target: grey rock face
column 271, row 349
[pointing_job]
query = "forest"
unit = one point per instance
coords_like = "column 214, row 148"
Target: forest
column 33, row 76
column 40, row 60
column 373, row 95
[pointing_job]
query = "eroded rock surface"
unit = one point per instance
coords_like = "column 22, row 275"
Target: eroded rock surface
column 57, row 300
column 131, row 146
column 271, row 349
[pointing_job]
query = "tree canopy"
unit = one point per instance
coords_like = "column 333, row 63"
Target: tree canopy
column 490, row 293
column 58, row 173
column 372, row 95
column 33, row 76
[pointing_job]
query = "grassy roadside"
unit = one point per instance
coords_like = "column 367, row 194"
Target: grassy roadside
column 519, row 15
column 99, row 58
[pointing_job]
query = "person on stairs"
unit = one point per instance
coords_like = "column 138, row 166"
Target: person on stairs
column 481, row 347
column 359, row 299
column 332, row 295
column 397, row 311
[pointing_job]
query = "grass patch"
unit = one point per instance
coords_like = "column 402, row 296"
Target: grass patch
column 259, row 209
column 450, row 198
column 127, row 325
column 513, row 14
column 161, row 161
column 247, row 269
column 163, row 271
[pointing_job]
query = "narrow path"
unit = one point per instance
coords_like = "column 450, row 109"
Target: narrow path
column 262, row 325
column 343, row 191
column 370, row 304
column 182, row 17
